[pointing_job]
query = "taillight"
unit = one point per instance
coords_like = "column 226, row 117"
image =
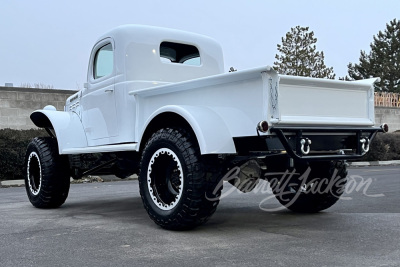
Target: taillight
column 262, row 126
column 385, row 127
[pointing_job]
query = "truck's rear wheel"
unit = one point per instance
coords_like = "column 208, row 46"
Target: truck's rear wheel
column 313, row 192
column 173, row 182
column 47, row 177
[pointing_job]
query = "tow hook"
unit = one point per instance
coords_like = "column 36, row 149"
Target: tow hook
column 364, row 144
column 305, row 146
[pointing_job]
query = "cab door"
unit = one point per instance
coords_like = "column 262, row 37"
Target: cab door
column 99, row 116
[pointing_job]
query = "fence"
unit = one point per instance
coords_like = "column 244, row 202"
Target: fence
column 385, row 99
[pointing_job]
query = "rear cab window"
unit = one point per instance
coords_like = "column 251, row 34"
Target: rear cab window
column 179, row 54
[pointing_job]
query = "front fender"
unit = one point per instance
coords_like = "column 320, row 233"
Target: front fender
column 67, row 127
column 211, row 131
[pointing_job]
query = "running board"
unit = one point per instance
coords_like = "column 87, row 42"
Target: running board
column 100, row 149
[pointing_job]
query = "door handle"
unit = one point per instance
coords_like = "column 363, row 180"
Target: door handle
column 109, row 90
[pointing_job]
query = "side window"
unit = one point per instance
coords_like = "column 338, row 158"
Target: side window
column 179, row 53
column 103, row 61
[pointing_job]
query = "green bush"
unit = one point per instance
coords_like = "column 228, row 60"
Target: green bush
column 13, row 144
column 385, row 146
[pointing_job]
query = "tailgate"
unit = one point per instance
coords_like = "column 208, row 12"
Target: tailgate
column 323, row 102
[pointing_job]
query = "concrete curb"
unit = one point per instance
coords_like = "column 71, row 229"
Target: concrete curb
column 374, row 163
column 10, row 183
column 85, row 180
column 111, row 178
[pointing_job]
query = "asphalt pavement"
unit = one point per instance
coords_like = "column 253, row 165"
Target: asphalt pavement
column 105, row 224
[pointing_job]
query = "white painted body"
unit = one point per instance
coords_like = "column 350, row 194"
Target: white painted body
column 112, row 113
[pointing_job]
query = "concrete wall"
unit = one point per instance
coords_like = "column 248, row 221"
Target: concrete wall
column 16, row 104
column 391, row 116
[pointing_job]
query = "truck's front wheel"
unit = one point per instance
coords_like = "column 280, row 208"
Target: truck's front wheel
column 47, row 174
column 173, row 182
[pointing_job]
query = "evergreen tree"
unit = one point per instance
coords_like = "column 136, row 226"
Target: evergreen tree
column 299, row 56
column 383, row 61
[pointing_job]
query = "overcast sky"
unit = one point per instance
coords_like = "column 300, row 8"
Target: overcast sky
column 49, row 41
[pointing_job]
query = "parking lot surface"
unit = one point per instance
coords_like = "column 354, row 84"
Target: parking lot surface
column 105, row 224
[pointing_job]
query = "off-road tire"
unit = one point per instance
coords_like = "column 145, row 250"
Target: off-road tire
column 176, row 190
column 317, row 196
column 47, row 178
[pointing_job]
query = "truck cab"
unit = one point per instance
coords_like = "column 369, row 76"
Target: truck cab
column 144, row 57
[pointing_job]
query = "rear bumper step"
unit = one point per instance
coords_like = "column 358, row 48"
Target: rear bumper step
column 301, row 147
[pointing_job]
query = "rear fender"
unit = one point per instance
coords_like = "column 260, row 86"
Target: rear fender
column 210, row 129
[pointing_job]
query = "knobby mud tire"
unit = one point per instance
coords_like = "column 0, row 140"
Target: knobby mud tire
column 177, row 191
column 320, row 197
column 47, row 178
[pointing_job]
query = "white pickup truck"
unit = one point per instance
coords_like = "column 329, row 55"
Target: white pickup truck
column 157, row 103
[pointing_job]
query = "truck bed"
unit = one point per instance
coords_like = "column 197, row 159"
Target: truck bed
column 243, row 98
